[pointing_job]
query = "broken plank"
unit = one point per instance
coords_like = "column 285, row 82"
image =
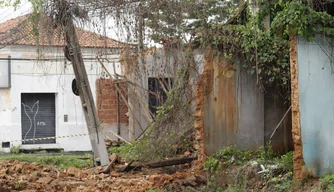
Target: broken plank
column 113, row 158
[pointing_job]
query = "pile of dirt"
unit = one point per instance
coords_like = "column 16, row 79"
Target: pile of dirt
column 22, row 176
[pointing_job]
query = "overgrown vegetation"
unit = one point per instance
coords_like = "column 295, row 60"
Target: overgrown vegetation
column 257, row 41
column 302, row 19
column 170, row 133
column 59, row 161
column 232, row 156
column 277, row 174
column 327, row 183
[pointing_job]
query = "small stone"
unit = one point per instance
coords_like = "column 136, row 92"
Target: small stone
column 72, row 171
column 45, row 180
column 113, row 174
column 18, row 167
column 82, row 174
column 191, row 179
column 187, row 153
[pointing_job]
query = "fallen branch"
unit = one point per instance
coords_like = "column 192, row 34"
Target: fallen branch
column 171, row 162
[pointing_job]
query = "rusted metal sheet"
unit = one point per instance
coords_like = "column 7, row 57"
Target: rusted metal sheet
column 233, row 110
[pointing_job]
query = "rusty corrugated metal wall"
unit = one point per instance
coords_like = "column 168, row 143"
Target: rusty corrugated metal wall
column 235, row 112
column 233, row 109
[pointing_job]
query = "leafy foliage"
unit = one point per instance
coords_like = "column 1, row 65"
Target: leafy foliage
column 297, row 18
column 327, row 182
column 254, row 49
column 261, row 51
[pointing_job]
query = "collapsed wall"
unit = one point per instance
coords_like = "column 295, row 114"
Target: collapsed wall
column 203, row 88
column 109, row 106
column 298, row 160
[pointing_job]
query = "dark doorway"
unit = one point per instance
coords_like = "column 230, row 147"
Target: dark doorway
column 157, row 95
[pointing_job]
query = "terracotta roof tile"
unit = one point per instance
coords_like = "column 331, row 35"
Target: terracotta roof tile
column 19, row 31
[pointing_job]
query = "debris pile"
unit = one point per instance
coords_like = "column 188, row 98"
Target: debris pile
column 22, row 176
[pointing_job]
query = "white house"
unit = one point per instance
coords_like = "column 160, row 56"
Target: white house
column 36, row 97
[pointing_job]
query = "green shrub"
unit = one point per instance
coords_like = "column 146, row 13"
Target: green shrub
column 15, row 149
column 328, row 182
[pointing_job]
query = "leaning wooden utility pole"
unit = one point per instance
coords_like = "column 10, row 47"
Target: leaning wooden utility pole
column 73, row 52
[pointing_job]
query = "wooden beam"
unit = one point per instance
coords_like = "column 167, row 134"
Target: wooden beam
column 113, row 159
column 171, row 162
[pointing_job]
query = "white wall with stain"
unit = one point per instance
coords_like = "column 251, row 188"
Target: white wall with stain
column 45, row 76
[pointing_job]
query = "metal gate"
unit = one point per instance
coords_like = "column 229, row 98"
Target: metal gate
column 38, row 117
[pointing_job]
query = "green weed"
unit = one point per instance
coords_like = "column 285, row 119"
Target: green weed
column 17, row 186
column 327, row 183
column 61, row 161
column 15, row 149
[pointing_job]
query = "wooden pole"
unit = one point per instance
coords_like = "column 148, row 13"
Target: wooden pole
column 118, row 106
column 95, row 133
column 277, row 126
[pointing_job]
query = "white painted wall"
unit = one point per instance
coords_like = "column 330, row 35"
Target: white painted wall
column 48, row 77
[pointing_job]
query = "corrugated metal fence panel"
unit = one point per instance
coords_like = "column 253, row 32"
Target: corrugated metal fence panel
column 38, row 117
column 316, row 94
column 250, row 103
column 233, row 112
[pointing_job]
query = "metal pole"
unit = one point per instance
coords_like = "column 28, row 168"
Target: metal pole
column 9, row 72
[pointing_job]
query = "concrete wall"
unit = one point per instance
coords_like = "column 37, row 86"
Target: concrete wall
column 316, row 93
column 48, row 77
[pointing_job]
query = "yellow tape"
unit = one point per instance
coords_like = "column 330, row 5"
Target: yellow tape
column 65, row 136
column 47, row 138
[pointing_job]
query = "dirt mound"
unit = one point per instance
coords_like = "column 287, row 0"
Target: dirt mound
column 21, row 176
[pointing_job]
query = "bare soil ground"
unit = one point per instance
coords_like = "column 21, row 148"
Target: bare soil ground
column 22, row 176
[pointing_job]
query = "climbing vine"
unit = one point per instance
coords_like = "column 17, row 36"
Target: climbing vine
column 264, row 51
column 298, row 18
column 254, row 49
